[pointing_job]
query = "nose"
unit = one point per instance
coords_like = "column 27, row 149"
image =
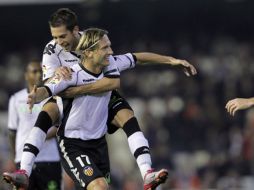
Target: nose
column 110, row 51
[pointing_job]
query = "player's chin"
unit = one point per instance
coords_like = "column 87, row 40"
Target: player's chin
column 106, row 62
column 66, row 48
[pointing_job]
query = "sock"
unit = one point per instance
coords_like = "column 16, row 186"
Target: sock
column 138, row 145
column 35, row 141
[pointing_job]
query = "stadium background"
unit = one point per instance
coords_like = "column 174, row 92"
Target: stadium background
column 184, row 118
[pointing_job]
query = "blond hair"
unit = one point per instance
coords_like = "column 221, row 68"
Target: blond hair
column 90, row 38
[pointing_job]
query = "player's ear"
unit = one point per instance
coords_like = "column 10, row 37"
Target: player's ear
column 88, row 53
column 76, row 30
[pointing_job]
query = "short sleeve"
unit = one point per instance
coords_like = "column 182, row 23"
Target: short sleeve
column 111, row 71
column 57, row 85
column 50, row 61
column 125, row 61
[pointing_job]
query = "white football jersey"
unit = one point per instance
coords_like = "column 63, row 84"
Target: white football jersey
column 21, row 120
column 85, row 117
column 55, row 56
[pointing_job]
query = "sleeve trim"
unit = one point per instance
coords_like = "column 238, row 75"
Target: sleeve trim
column 112, row 76
column 48, row 90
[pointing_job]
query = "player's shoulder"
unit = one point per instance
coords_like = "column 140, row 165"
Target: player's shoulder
column 76, row 67
column 52, row 48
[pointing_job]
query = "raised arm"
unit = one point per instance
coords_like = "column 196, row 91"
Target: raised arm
column 147, row 57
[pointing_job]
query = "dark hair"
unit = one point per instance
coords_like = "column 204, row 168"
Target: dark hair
column 32, row 61
column 64, row 16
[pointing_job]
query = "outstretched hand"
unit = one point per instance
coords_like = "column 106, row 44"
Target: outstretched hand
column 32, row 98
column 188, row 68
column 238, row 104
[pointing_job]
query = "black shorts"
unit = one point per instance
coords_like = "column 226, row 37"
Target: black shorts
column 116, row 103
column 85, row 161
column 45, row 176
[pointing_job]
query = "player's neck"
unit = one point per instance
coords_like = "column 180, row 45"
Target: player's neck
column 93, row 68
column 76, row 41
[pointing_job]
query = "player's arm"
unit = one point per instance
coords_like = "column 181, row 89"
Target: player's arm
column 12, row 125
column 52, row 88
column 103, row 85
column 239, row 104
column 109, row 82
column 146, row 57
column 51, row 133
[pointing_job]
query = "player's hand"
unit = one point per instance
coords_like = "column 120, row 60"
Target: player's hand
column 188, row 68
column 238, row 104
column 64, row 72
column 31, row 100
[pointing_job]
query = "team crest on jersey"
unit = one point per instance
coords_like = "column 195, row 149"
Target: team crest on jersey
column 55, row 80
column 44, row 68
column 88, row 171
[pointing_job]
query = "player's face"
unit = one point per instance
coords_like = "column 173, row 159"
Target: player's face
column 33, row 74
column 102, row 53
column 64, row 37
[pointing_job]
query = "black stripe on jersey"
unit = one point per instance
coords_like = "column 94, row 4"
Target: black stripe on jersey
column 67, row 105
column 134, row 57
column 89, row 72
column 110, row 71
column 112, row 76
column 129, row 60
column 48, row 90
column 59, row 57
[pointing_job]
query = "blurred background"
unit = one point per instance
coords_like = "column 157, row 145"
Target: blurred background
column 188, row 128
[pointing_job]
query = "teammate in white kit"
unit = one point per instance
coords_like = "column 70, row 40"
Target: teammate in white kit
column 46, row 172
column 59, row 53
column 84, row 124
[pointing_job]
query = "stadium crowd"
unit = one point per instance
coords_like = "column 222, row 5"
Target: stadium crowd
column 184, row 119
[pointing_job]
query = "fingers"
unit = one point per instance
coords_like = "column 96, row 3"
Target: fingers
column 189, row 69
column 232, row 107
column 30, row 103
column 186, row 72
column 64, row 72
column 34, row 89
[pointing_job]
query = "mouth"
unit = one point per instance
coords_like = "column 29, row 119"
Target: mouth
column 65, row 46
column 107, row 58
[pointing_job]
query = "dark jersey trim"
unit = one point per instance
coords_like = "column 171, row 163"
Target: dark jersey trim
column 76, row 55
column 135, row 58
column 110, row 71
column 89, row 72
column 48, row 90
column 112, row 76
column 129, row 60
column 67, row 106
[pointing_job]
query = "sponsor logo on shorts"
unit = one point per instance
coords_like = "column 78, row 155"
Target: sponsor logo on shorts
column 88, row 171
